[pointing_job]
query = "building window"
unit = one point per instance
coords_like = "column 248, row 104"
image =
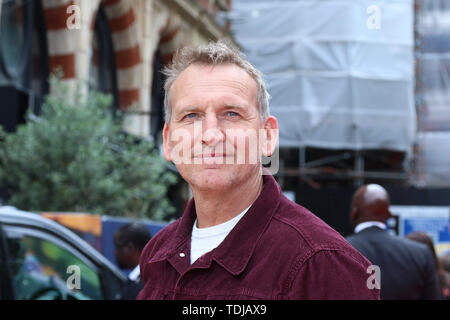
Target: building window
column 24, row 64
column 157, row 98
column 15, row 36
column 102, row 70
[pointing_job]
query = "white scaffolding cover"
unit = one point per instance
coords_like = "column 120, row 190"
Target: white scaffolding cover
column 433, row 91
column 336, row 80
column 434, row 159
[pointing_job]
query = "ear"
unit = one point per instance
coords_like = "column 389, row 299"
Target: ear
column 271, row 136
column 167, row 149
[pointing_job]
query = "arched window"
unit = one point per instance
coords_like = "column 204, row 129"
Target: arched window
column 102, row 71
column 24, row 65
column 157, row 112
column 15, row 37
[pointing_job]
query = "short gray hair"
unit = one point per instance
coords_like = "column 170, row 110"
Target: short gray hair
column 213, row 53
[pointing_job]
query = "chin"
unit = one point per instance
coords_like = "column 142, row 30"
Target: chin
column 212, row 183
column 210, row 179
column 217, row 177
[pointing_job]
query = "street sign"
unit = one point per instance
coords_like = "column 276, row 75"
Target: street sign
column 434, row 220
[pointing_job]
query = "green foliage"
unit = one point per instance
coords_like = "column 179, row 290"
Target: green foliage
column 75, row 157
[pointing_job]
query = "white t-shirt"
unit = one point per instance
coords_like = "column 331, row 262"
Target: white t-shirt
column 204, row 240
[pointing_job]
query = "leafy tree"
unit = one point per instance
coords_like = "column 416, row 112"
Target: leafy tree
column 75, row 157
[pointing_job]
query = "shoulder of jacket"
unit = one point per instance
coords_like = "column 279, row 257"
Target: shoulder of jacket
column 301, row 225
column 161, row 239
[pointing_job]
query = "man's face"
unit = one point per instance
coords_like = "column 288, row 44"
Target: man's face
column 122, row 253
column 214, row 134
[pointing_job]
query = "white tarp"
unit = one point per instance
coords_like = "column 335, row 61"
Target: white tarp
column 336, row 79
column 434, row 159
column 433, row 91
column 433, row 57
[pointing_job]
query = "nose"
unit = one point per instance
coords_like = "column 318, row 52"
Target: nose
column 212, row 132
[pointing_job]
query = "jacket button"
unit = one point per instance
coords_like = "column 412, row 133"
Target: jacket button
column 182, row 255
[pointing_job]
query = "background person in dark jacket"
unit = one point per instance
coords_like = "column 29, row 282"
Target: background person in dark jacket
column 424, row 238
column 408, row 269
column 444, row 261
column 129, row 241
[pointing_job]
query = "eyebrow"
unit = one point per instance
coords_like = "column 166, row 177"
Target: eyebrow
column 189, row 109
column 226, row 106
column 229, row 106
column 234, row 106
column 243, row 111
column 185, row 111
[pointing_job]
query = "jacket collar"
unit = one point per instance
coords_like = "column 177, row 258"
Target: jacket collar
column 234, row 253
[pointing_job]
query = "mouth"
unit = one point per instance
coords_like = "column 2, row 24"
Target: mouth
column 212, row 155
column 212, row 159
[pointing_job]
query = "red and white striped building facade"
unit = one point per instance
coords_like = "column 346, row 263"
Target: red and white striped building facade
column 139, row 28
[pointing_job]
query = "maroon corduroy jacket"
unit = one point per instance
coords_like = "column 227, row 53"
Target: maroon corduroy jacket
column 278, row 250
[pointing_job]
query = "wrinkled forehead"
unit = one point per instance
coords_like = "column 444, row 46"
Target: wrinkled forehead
column 205, row 82
column 203, row 73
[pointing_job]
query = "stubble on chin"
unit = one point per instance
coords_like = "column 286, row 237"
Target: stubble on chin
column 210, row 180
column 219, row 180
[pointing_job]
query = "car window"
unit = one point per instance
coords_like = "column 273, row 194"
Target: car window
column 40, row 265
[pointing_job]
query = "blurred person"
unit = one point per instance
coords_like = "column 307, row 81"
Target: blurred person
column 239, row 237
column 444, row 260
column 424, row 238
column 129, row 241
column 28, row 277
column 408, row 270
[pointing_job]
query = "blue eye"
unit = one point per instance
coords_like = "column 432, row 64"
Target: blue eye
column 190, row 115
column 232, row 114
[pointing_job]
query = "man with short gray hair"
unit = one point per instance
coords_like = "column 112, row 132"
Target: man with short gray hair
column 239, row 237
